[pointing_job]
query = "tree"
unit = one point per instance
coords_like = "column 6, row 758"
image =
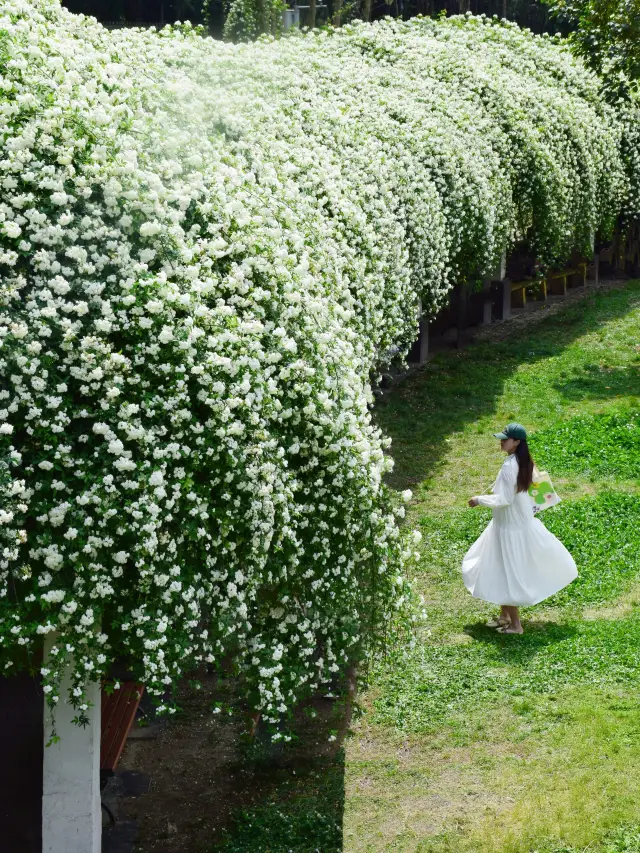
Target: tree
column 607, row 36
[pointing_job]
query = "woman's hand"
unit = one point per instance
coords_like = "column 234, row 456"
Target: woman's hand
column 473, row 501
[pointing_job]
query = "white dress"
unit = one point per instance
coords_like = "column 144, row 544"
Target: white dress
column 516, row 561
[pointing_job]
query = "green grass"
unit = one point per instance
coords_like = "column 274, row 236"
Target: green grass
column 606, row 444
column 304, row 815
column 519, row 744
column 472, row 741
column 442, row 679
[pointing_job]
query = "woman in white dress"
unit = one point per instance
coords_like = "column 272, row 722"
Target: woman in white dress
column 516, row 561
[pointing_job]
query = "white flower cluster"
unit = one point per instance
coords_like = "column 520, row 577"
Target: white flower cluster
column 204, row 251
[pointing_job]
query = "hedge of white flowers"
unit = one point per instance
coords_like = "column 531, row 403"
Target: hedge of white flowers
column 205, row 251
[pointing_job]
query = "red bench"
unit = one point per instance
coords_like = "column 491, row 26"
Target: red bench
column 118, row 713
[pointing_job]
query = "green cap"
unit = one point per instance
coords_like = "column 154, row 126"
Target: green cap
column 512, row 431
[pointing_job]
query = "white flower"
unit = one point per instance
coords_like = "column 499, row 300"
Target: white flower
column 406, row 495
column 53, row 596
column 201, row 290
column 150, row 229
column 11, row 229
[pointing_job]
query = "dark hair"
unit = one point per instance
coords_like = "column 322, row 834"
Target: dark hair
column 525, row 465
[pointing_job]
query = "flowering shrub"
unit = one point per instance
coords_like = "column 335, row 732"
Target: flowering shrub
column 205, row 250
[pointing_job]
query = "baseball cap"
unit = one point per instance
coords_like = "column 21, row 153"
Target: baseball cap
column 512, row 431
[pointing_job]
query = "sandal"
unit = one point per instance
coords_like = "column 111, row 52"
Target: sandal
column 505, row 630
column 498, row 623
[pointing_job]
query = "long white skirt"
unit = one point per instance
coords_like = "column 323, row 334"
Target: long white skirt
column 517, row 564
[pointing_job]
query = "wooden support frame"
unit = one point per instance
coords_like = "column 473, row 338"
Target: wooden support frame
column 461, row 315
column 557, row 283
column 419, row 352
column 519, row 294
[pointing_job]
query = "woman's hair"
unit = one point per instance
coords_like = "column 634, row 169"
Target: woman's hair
column 525, row 466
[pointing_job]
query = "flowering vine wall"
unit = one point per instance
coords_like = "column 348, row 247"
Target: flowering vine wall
column 205, row 250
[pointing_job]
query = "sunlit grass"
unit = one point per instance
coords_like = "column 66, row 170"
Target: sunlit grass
column 474, row 742
column 477, row 742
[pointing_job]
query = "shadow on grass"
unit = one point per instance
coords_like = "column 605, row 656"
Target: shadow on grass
column 458, row 388
column 212, row 789
column 303, row 811
column 297, row 795
column 519, row 648
column 593, row 382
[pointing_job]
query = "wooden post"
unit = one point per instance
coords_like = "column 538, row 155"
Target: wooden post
column 558, row 284
column 582, row 268
column 461, row 314
column 420, row 350
column 486, row 302
column 423, row 340
column 505, row 286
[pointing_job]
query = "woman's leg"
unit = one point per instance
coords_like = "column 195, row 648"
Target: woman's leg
column 515, row 627
column 502, row 620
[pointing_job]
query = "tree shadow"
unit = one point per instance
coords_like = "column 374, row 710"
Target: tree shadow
column 471, row 382
column 601, row 383
column 214, row 789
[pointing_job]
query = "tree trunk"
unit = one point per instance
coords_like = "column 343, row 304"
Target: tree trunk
column 312, row 14
column 337, row 13
column 504, row 8
column 366, row 10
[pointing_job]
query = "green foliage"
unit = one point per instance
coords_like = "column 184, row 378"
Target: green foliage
column 606, row 444
column 248, row 19
column 607, row 36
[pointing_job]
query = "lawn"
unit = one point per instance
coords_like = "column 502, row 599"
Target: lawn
column 479, row 742
column 472, row 741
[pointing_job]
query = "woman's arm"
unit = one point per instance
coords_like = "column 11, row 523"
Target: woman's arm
column 504, row 489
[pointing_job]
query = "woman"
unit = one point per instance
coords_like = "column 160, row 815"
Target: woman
column 516, row 561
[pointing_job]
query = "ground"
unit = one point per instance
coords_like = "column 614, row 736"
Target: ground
column 470, row 741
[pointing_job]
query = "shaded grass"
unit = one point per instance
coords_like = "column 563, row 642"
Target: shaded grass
column 449, row 408
column 304, row 815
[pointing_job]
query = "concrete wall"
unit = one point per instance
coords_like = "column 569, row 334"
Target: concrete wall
column 71, row 811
